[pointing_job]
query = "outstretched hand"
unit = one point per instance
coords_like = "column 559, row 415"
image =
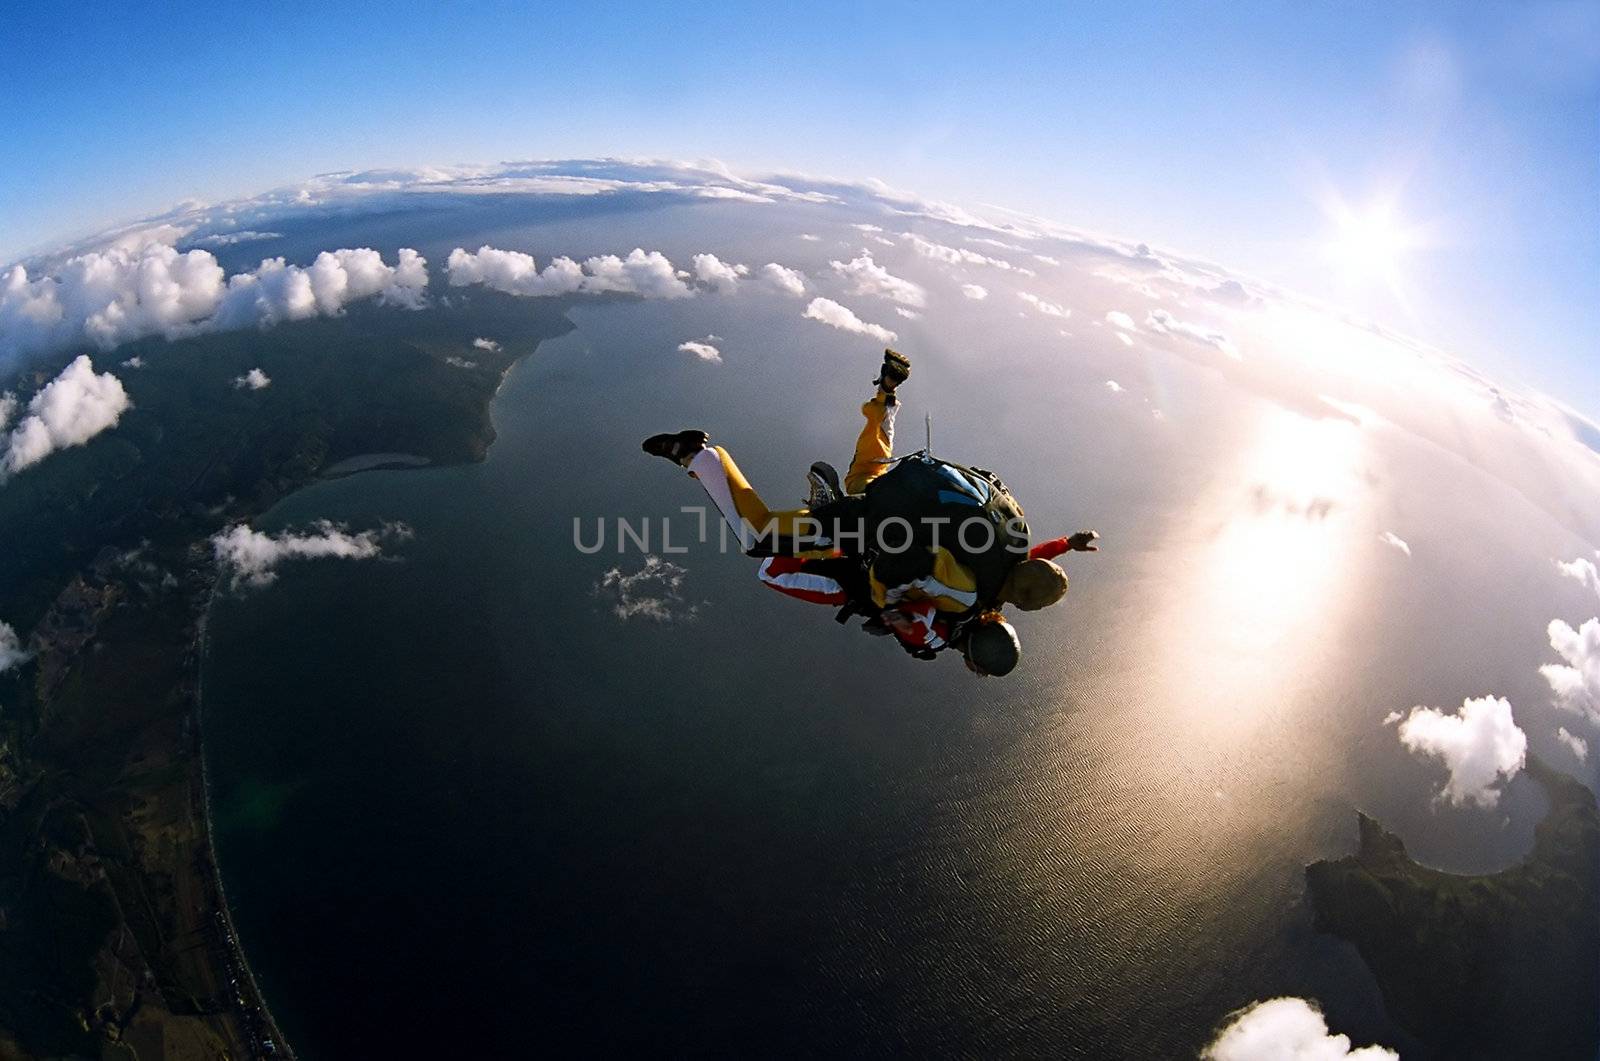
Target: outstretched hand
column 898, row 621
column 1083, row 542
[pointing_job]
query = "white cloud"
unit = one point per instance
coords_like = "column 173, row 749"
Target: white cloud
column 648, row 274
column 867, row 228
column 718, row 274
column 977, row 292
column 782, row 280
column 276, row 291
column 8, row 408
column 460, row 362
column 407, row 285
column 515, row 273
column 1125, row 340
column 68, row 411
column 908, row 314
column 1480, row 746
column 134, row 362
column 255, row 379
column 1577, row 744
column 251, row 558
column 702, row 349
column 1113, row 386
column 939, row 252
column 1582, row 570
column 1392, row 717
column 12, row 654
column 108, row 297
column 830, row 312
column 867, row 277
column 1121, row 320
column 229, row 239
column 1577, row 683
column 1049, row 309
column 1002, row 244
column 714, row 192
column 1286, row 1029
column 143, row 234
column 1165, row 323
column 1355, row 412
column 490, row 345
column 809, row 238
column 1394, row 541
column 654, row 592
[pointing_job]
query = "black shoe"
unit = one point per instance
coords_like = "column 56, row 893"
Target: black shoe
column 895, row 371
column 825, row 488
column 676, row 448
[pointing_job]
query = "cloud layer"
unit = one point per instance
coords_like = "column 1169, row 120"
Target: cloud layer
column 68, row 411
column 645, row 273
column 251, row 558
column 1480, row 746
column 109, row 297
column 1286, row 1029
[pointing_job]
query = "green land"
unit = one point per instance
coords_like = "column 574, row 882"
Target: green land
column 1498, row 965
column 115, row 940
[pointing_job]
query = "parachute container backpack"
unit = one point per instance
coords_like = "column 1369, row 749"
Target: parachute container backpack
column 967, row 511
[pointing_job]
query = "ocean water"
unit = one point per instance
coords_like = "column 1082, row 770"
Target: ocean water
column 464, row 809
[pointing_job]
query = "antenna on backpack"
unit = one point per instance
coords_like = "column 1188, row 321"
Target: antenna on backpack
column 927, row 426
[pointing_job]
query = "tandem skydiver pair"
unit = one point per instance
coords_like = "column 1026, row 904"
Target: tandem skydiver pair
column 925, row 549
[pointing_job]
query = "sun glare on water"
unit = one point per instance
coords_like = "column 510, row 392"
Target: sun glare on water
column 1267, row 576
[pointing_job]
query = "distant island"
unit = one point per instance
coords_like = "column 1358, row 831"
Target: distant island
column 115, row 939
column 1498, row 965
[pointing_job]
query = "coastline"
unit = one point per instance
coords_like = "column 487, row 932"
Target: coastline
column 254, row 1012
column 1468, row 963
column 266, row 1038
column 122, row 937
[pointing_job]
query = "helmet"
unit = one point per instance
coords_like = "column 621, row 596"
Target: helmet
column 1034, row 584
column 992, row 646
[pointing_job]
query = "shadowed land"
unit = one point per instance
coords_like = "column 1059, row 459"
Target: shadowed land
column 1495, row 965
column 115, row 940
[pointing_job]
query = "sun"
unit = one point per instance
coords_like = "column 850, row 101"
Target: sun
column 1368, row 246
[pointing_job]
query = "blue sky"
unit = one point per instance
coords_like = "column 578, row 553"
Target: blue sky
column 1223, row 131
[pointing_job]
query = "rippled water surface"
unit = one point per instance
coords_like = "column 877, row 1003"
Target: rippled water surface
column 466, row 810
